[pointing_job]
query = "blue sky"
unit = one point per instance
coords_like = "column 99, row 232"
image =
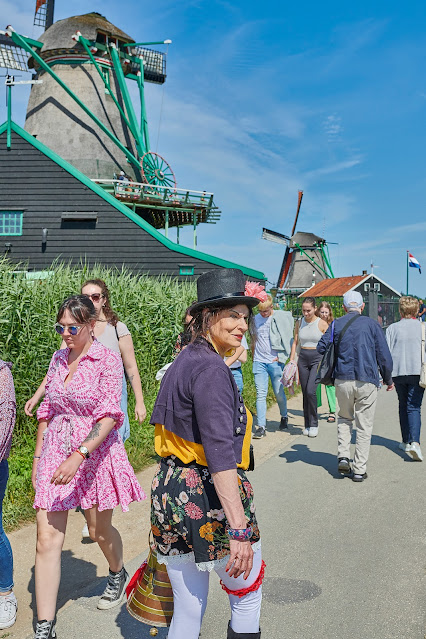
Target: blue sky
column 263, row 99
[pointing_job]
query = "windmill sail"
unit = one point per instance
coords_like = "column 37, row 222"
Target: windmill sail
column 43, row 16
column 12, row 57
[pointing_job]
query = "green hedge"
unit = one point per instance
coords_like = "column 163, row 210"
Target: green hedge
column 152, row 308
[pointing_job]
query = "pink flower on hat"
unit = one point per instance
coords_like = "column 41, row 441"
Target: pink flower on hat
column 254, row 289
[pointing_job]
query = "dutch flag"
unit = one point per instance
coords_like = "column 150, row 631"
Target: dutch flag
column 413, row 262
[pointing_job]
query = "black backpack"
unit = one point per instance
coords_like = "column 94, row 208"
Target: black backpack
column 326, row 366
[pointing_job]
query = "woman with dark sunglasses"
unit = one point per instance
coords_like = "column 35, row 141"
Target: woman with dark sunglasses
column 79, row 458
column 114, row 335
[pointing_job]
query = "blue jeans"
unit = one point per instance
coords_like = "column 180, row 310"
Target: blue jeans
column 238, row 376
column 6, row 557
column 410, row 397
column 262, row 372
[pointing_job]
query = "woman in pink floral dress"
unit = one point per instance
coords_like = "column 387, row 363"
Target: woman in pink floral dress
column 79, row 459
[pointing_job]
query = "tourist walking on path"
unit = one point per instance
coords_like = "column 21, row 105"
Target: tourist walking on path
column 271, row 342
column 203, row 514
column 325, row 312
column 421, row 313
column 234, row 362
column 79, row 458
column 404, row 339
column 362, row 352
column 309, row 330
column 185, row 336
column 8, row 603
column 115, row 335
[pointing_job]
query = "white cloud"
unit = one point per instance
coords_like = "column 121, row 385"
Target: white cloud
column 333, row 168
column 333, row 128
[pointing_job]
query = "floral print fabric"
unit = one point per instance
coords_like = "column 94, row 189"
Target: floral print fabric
column 186, row 514
column 106, row 479
column 7, row 409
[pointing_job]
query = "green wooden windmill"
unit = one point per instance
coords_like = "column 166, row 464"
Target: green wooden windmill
column 82, row 109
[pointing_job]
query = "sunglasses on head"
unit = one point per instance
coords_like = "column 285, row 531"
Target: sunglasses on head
column 72, row 330
column 95, row 297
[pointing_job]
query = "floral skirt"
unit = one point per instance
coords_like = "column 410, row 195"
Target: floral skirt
column 187, row 517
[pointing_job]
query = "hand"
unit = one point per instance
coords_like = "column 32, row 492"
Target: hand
column 66, row 471
column 29, row 406
column 241, row 559
column 34, row 472
column 140, row 412
column 391, row 387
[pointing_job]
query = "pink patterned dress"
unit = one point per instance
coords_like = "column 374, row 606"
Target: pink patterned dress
column 106, row 479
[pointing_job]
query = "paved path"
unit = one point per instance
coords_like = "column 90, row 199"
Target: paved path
column 343, row 559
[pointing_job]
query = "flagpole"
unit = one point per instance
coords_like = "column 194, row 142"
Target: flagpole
column 407, row 272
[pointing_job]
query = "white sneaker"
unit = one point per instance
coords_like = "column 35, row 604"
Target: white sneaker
column 414, row 451
column 403, row 446
column 305, row 431
column 85, row 532
column 313, row 431
column 8, row 608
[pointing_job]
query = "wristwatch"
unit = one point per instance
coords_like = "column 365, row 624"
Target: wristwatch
column 84, row 451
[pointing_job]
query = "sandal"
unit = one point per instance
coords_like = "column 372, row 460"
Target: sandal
column 331, row 419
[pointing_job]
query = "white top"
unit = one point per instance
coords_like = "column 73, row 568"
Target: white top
column 404, row 339
column 309, row 334
column 109, row 337
column 262, row 347
column 237, row 363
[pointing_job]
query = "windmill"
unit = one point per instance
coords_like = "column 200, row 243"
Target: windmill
column 306, row 258
column 82, row 110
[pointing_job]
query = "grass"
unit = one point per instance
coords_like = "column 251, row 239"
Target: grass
column 152, row 309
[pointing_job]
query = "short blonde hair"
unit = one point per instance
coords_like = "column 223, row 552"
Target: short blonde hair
column 265, row 305
column 408, row 306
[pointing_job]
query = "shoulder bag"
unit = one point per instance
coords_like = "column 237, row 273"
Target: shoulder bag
column 326, row 366
column 422, row 380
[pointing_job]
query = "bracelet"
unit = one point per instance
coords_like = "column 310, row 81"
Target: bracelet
column 240, row 534
column 80, row 453
column 36, row 456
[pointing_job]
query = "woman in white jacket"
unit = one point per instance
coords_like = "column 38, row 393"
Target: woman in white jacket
column 271, row 349
column 404, row 339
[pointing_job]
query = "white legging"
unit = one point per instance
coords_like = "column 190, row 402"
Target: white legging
column 190, row 590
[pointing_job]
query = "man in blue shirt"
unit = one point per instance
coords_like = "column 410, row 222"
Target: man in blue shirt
column 361, row 354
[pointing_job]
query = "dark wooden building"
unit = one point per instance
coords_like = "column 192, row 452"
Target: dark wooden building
column 49, row 211
column 338, row 286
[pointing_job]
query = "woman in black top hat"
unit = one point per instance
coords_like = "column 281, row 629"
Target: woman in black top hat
column 203, row 514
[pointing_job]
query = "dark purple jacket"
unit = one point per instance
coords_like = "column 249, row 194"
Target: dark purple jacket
column 199, row 401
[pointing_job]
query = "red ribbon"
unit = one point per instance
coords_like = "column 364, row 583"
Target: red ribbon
column 244, row 591
column 135, row 579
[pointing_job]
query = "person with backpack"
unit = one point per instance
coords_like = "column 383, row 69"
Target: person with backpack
column 361, row 353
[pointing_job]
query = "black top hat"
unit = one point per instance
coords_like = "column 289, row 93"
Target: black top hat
column 222, row 287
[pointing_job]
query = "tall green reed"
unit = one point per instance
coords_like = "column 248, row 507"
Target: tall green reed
column 152, row 308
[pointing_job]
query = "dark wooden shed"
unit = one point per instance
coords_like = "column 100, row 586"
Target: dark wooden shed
column 49, row 210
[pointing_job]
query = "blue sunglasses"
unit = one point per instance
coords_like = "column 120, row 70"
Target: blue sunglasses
column 72, row 330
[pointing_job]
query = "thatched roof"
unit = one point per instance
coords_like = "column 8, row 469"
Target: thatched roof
column 59, row 34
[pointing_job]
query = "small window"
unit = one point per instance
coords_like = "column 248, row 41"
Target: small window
column 366, row 287
column 79, row 221
column 101, row 38
column 10, row 222
column 186, row 269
